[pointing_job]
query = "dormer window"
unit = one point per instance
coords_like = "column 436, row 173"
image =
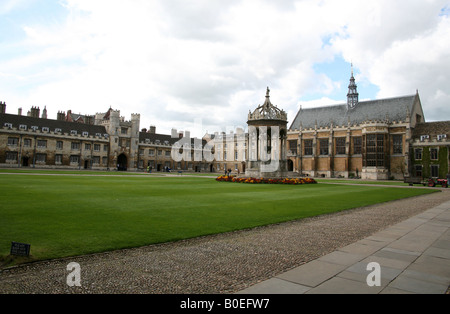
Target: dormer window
column 441, row 137
column 45, row 129
column 424, row 137
column 23, row 127
column 8, row 125
column 98, row 134
column 58, row 130
column 35, row 128
column 73, row 132
column 85, row 133
column 106, row 135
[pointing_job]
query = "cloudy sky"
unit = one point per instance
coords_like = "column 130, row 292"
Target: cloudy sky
column 189, row 63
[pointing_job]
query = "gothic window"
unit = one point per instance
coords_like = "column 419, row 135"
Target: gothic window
column 435, row 171
column 418, row 169
column 293, row 147
column 375, row 150
column 434, row 154
column 323, row 147
column 418, row 154
column 308, row 144
column 357, row 145
column 340, row 146
column 397, row 144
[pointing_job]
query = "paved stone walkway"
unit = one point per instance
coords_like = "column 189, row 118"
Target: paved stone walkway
column 414, row 257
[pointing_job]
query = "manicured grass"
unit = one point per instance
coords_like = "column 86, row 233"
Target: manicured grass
column 73, row 215
column 358, row 181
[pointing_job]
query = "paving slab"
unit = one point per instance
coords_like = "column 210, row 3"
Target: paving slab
column 396, row 254
column 414, row 258
column 361, row 248
column 387, row 273
column 342, row 258
column 338, row 285
column 276, row 286
column 312, row 273
column 417, row 286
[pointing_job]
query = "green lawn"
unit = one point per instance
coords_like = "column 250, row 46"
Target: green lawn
column 72, row 215
column 358, row 181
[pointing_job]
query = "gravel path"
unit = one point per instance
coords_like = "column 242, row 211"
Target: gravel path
column 223, row 263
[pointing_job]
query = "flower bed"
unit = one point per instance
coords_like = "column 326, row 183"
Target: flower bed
column 266, row 181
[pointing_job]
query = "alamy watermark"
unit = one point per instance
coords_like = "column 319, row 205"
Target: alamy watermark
column 374, row 277
column 73, row 279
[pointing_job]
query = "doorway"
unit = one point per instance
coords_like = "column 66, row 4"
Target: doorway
column 290, row 165
column 25, row 161
column 122, row 162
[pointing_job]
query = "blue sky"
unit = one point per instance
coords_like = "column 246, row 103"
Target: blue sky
column 178, row 61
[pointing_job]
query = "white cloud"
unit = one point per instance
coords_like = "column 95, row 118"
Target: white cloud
column 177, row 60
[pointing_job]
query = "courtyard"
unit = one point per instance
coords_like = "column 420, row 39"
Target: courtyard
column 63, row 214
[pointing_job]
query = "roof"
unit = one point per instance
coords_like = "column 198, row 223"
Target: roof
column 163, row 138
column 267, row 111
column 391, row 109
column 66, row 127
column 433, row 129
column 153, row 137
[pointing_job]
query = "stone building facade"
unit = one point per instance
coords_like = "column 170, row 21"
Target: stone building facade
column 377, row 139
column 430, row 150
column 104, row 141
column 367, row 139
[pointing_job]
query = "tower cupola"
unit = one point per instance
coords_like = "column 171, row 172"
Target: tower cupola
column 352, row 96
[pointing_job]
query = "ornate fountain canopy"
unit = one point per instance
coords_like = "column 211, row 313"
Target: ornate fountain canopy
column 267, row 111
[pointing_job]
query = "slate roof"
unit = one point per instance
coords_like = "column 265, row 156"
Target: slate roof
column 433, row 129
column 66, row 127
column 153, row 137
column 392, row 109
